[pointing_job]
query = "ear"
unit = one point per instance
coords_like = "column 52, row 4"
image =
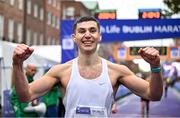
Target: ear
column 73, row 37
column 100, row 38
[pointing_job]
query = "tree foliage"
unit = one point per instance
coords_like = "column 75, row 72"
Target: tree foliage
column 173, row 7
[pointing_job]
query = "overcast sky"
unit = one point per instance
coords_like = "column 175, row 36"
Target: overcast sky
column 128, row 9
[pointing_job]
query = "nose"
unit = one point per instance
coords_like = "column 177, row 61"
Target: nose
column 87, row 34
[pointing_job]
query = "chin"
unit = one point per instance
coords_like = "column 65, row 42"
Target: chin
column 89, row 51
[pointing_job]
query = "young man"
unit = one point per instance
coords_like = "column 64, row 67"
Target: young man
column 88, row 82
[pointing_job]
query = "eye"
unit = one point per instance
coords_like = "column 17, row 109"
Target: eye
column 81, row 30
column 92, row 30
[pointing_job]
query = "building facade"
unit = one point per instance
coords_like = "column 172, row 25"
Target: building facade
column 73, row 9
column 33, row 22
column 37, row 22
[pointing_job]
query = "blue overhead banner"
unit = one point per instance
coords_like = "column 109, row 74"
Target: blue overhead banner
column 122, row 30
column 68, row 46
column 128, row 30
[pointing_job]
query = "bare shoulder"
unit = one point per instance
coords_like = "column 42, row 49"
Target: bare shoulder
column 119, row 69
column 62, row 67
column 59, row 69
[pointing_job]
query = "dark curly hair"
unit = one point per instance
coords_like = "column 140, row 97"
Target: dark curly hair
column 84, row 19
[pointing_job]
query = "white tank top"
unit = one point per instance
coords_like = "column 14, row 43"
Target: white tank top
column 88, row 97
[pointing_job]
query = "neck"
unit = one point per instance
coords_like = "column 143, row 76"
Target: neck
column 88, row 60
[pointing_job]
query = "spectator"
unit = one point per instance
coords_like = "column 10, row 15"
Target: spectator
column 20, row 106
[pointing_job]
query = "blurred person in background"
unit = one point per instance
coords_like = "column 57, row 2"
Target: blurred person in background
column 17, row 104
column 88, row 82
column 61, row 108
column 169, row 76
column 144, row 102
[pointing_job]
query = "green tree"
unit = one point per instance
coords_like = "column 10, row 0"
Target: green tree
column 173, row 8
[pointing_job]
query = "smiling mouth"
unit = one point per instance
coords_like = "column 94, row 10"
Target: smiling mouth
column 87, row 42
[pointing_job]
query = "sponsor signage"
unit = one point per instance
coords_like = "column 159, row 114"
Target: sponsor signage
column 149, row 13
column 105, row 14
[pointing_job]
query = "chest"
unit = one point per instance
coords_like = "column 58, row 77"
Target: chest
column 90, row 72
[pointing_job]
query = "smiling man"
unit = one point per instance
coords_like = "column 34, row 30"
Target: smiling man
column 88, row 82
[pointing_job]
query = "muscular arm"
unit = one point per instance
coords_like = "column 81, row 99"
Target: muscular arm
column 150, row 90
column 151, row 56
column 156, row 86
column 28, row 92
column 20, row 82
column 40, row 86
column 21, row 53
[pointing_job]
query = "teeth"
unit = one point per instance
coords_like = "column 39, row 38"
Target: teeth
column 85, row 42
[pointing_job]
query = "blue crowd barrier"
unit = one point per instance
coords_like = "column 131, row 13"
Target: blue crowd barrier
column 177, row 86
column 122, row 92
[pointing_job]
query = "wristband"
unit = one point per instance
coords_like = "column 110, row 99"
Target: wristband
column 156, row 70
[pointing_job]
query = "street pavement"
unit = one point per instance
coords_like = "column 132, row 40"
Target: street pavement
column 169, row 107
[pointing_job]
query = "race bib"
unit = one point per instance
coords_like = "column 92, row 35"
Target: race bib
column 90, row 111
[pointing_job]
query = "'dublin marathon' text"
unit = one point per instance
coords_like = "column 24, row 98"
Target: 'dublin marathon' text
column 141, row 29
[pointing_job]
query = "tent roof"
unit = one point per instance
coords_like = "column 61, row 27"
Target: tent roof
column 51, row 52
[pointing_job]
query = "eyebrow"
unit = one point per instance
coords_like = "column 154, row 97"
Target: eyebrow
column 81, row 28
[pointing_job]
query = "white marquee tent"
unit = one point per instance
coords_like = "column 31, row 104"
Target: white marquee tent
column 41, row 57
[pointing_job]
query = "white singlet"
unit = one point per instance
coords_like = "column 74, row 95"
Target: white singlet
column 88, row 97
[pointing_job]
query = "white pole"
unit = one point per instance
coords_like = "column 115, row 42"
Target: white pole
column 1, row 57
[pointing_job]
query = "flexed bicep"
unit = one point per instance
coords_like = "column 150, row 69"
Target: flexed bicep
column 136, row 84
column 41, row 86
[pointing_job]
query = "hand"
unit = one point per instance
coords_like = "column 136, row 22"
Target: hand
column 114, row 108
column 21, row 53
column 35, row 102
column 151, row 55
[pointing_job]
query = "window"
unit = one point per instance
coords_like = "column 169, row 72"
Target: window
column 20, row 4
column 35, row 11
column 19, row 32
column 28, row 7
column 10, row 29
column 58, row 5
column 1, row 27
column 49, row 41
column 35, row 38
column 41, row 39
column 12, row 2
column 49, row 1
column 70, row 11
column 53, row 21
column 28, row 37
column 57, row 23
column 54, row 41
column 54, row 3
column 49, row 18
column 41, row 14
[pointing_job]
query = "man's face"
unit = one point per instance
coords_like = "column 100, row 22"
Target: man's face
column 31, row 70
column 87, row 36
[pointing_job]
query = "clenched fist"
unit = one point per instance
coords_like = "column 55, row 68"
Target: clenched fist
column 21, row 53
column 151, row 55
